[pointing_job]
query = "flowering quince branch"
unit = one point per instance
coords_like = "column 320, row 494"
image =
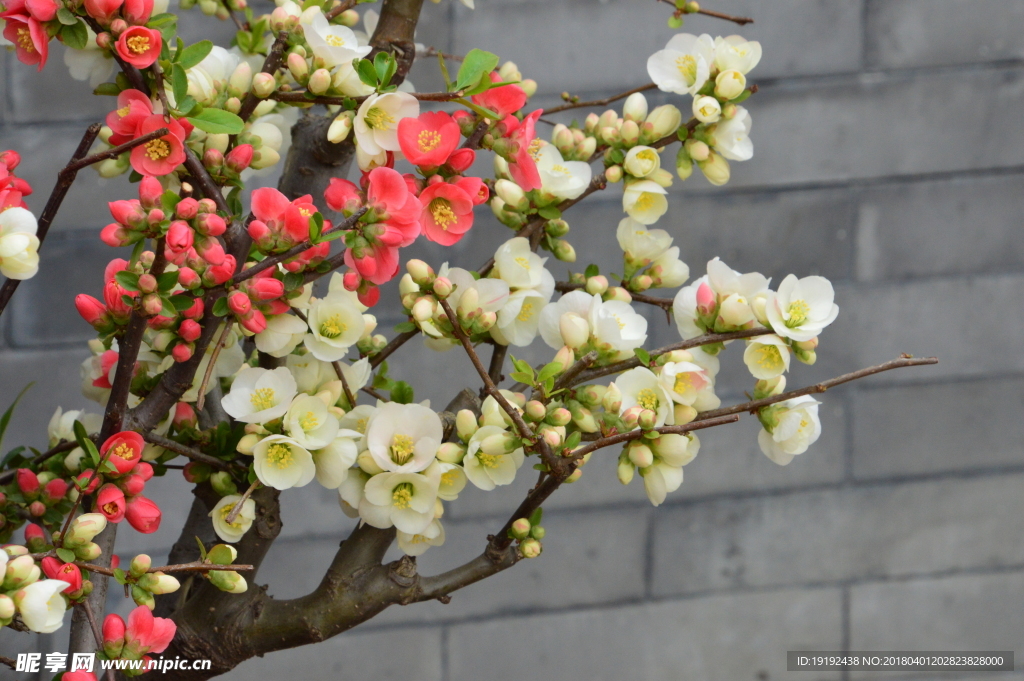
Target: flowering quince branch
column 691, row 7
column 637, row 434
column 232, row 515
column 212, row 364
column 187, row 452
column 574, row 103
column 270, row 66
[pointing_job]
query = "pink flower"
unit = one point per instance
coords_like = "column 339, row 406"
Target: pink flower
column 137, row 11
column 523, row 165
column 110, row 502
column 53, row 568
column 429, row 139
column 133, row 107
column 179, row 236
column 55, row 490
column 140, row 46
column 504, row 100
column 79, row 675
column 447, row 213
column 29, row 39
column 40, row 10
column 287, row 221
column 342, row 196
column 474, row 188
column 148, row 634
column 162, row 155
column 127, row 449
column 133, row 484
column 93, row 311
column 102, row 10
column 218, row 274
column 461, row 160
column 389, row 194
column 144, row 516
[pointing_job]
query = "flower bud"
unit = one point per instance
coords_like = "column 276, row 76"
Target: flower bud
column 6, row 608
column 535, row 411
column 319, row 82
column 87, row 552
column 512, row 194
column 625, row 470
column 222, row 554
column 263, row 85
column 647, row 419
column 422, row 274
column 559, row 416
column 229, row 581
column 716, row 169
column 707, row 109
column 564, row 251
column 298, row 67
column 21, row 571
column 84, row 528
column 575, row 330
column 564, row 358
column 729, row 85
column 139, row 565
column 366, row 462
column 635, row 108
column 521, row 528
column 538, row 532
column 684, row 164
column 529, row 86
column 574, row 476
column 629, row 133
column 340, row 128
column 586, row 148
column 196, row 472
column 451, row 452
column 530, row 548
column 640, row 455
column 662, row 121
column 423, row 309
column 143, row 597
column 684, row 414
column 466, row 424
column 158, row 583
column 223, row 484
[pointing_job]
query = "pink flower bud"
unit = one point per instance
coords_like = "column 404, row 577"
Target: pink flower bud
column 369, row 296
column 155, row 216
column 213, row 159
column 179, row 236
column 93, row 311
column 190, row 330
column 207, row 206
column 137, row 11
column 114, row 235
column 211, row 250
column 188, row 278
column 110, row 502
column 55, row 489
column 211, row 224
column 239, row 158
column 184, row 416
column 239, row 303
column 103, row 40
column 118, row 26
column 113, row 629
column 102, row 10
column 255, row 323
column 152, row 304
column 133, row 484
column 128, row 213
column 194, row 312
column 183, row 352
column 90, row 481
column 442, row 287
column 259, row 231
column 28, row 483
column 705, row 299
column 143, row 515
column 147, row 283
column 143, row 470
column 196, row 472
column 461, row 159
column 150, row 191
column 37, row 509
column 351, row 281
column 218, row 274
column 10, row 158
column 266, row 288
column 34, row 533
column 187, row 208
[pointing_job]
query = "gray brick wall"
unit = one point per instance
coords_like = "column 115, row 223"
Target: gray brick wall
column 889, row 158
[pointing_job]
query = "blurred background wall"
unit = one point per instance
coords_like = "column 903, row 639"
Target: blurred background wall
column 890, row 159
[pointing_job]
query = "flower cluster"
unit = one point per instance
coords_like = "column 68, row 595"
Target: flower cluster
column 135, row 640
column 19, row 245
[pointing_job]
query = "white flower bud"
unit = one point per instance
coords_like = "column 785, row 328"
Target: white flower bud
column 340, row 128
column 512, row 194
column 664, row 120
column 730, row 84
column 641, row 161
column 466, row 424
column 735, row 310
column 635, row 108
column 707, row 109
column 574, row 329
column 319, row 82
column 625, row 471
column 641, row 455
column 716, row 169
column 241, row 78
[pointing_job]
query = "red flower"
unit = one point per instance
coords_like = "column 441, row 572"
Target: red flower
column 461, row 160
column 162, row 155
column 287, row 221
column 504, row 100
column 140, row 46
column 127, row 450
column 111, row 503
column 143, row 515
column 147, row 634
column 78, row 676
column 523, row 165
column 53, row 568
column 447, row 213
column 388, row 192
column 429, row 139
column 28, row 37
column 133, row 107
column 474, row 188
column 342, row 196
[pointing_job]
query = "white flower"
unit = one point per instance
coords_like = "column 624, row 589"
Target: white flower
column 519, row 320
column 334, row 461
column 259, row 395
column 645, row 201
column 232, row 532
column 309, row 372
column 560, row 178
column 405, row 500
column 282, row 463
column 358, row 419
column 640, row 387
column 801, row 308
column 350, row 492
column 733, row 52
column 706, row 399
column 453, row 480
column 62, row 425
column 488, row 467
column 518, row 266
column 732, row 137
column 492, row 293
column 767, row 356
column 404, row 438
column 640, row 244
column 275, row 133
column 331, row 43
column 335, row 325
column 668, row 271
column 641, row 161
column 41, row 605
column 417, row 544
column 796, row 429
column 229, row 361
column 683, row 381
column 684, row 65
column 567, row 321
column 283, row 334
column 207, row 78
column 617, row 326
column 357, row 374
column 493, row 414
column 309, row 423
column 660, row 479
column 19, row 246
column 376, row 122
column 706, row 109
column 90, row 63
column 676, row 449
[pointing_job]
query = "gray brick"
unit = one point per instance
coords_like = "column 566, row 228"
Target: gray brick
column 839, row 534
column 720, row 637
column 586, row 45
column 385, row 655
column 43, row 310
column 57, row 383
column 870, row 126
column 945, row 227
column 985, row 431
column 907, row 33
column 976, row 612
column 37, row 93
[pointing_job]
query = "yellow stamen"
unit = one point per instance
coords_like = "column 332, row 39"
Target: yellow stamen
column 225, row 511
column 334, row 40
column 683, row 383
column 263, row 398
column 534, row 149
column 138, row 44
column 428, row 140
column 798, row 310
column 378, row 119
column 332, row 327
column 401, row 496
column 158, row 149
column 645, row 201
column 402, row 448
column 124, row 111
column 280, row 455
column 523, row 262
column 769, row 357
column 647, row 399
column 25, row 40
column 687, row 67
column 309, row 421
column 124, row 451
column 487, row 460
column 443, row 214
column 361, row 425
column 525, row 312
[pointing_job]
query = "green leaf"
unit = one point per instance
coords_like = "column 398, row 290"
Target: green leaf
column 475, row 65
column 537, row 516
column 66, row 17
column 166, row 23
column 479, row 110
column 444, row 72
column 316, row 227
column 592, row 271
column 402, row 393
column 75, row 36
column 552, row 369
column 169, row 201
column 12, row 457
column 119, row 575
column 521, row 377
column 643, row 356
column 573, row 441
column 366, row 72
column 202, row 549
column 6, row 418
column 550, row 213
column 193, row 54
column 108, row 467
column 107, row 89
column 86, row 443
column 220, row 308
column 182, row 302
column 405, row 327
column 66, row 555
column 167, row 280
column 140, row 245
column 217, row 121
column 381, row 65
column 127, row 280
column 293, row 281
column 180, row 82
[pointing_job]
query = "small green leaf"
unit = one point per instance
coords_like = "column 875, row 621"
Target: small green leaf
column 217, row 121
column 169, row 201
column 552, row 369
column 127, row 280
column 220, row 308
column 107, row 89
column 66, row 555
column 592, row 271
column 182, row 302
column 521, row 377
column 140, row 245
column 179, row 81
column 550, row 213
column 537, row 516
column 444, row 72
column 75, row 36
column 66, row 17
column 366, row 72
column 402, row 393
column 108, row 467
column 475, row 65
column 166, row 23
column 6, row 418
column 380, row 65
column 293, row 281
column 643, row 356
column 202, row 549
column 316, row 228
column 119, row 575
column 405, row 327
column 193, row 54
column 479, row 110
column 573, row 441
column 167, row 280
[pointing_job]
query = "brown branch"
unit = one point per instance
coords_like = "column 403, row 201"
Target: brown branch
column 742, row 21
column 215, row 353
column 433, row 52
column 755, row 405
column 344, row 384
column 600, row 102
column 637, row 434
column 396, row 342
column 483, row 566
column 188, row 452
column 342, row 6
column 237, row 508
column 663, row 303
column 576, row 369
column 133, row 75
column 497, row 363
column 114, row 152
column 197, row 566
column 270, row 65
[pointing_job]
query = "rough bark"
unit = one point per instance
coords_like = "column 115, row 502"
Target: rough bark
column 312, row 161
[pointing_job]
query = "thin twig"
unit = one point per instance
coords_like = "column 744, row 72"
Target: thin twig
column 96, row 632
column 433, row 52
column 237, row 508
column 742, row 21
column 201, row 400
column 578, row 367
column 396, row 342
column 344, row 384
column 600, row 102
column 196, row 566
column 373, row 393
column 637, row 434
column 114, row 152
column 270, row 65
column 343, row 6
column 187, row 452
column 663, row 303
column 755, row 405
